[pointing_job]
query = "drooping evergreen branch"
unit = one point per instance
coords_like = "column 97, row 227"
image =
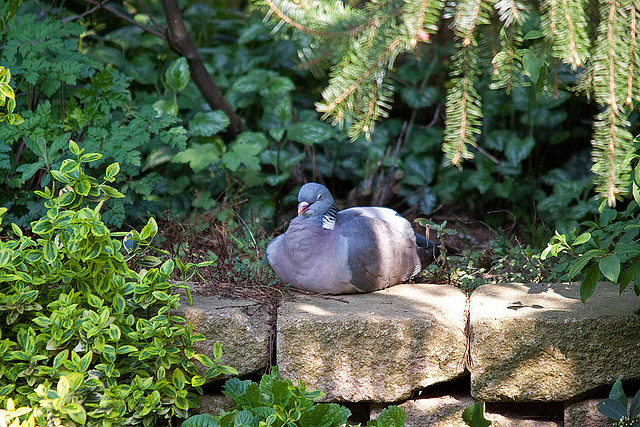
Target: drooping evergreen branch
column 463, row 107
column 511, row 11
column 611, row 139
column 633, row 81
column 565, row 26
column 360, row 44
column 284, row 17
column 353, row 84
column 612, row 154
column 469, row 14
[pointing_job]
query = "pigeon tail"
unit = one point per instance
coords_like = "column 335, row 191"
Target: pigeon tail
column 429, row 251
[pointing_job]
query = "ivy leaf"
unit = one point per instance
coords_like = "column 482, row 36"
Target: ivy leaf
column 244, row 151
column 165, row 108
column 310, row 133
column 517, row 149
column 199, row 157
column 177, row 75
column 208, row 124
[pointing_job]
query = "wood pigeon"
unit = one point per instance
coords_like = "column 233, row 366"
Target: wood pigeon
column 360, row 249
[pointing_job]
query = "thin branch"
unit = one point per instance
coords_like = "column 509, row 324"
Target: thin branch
column 181, row 43
column 85, row 13
column 103, row 5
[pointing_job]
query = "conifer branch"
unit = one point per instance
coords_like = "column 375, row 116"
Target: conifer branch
column 468, row 14
column 632, row 54
column 564, row 24
column 575, row 59
column 611, row 60
column 328, row 109
column 463, row 108
column 291, row 22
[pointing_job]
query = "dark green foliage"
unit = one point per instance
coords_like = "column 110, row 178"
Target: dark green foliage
column 87, row 339
column 615, row 407
column 514, row 43
column 604, row 247
column 278, row 402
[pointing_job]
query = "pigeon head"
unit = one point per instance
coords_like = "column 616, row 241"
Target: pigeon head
column 314, row 200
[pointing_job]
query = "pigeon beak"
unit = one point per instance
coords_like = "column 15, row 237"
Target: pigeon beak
column 302, row 207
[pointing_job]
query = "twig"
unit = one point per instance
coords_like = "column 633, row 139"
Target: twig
column 105, row 6
column 181, row 43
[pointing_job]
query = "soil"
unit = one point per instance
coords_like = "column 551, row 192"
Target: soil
column 241, row 271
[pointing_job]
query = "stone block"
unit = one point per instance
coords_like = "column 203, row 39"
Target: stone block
column 243, row 328
column 584, row 414
column 541, row 343
column 446, row 411
column 213, row 404
column 500, row 420
column 375, row 347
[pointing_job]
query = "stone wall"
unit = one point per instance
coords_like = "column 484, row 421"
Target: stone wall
column 535, row 353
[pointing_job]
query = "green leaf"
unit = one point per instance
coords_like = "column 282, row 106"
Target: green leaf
column 517, row 149
column 201, row 420
column 473, row 415
column 217, row 351
column 610, row 267
column 583, row 238
column 90, row 157
column 66, row 198
column 82, row 187
column 177, row 378
column 119, row 303
column 582, row 261
column 43, row 322
column 617, row 393
column 208, row 124
column 391, row 416
column 125, row 349
column 94, row 301
column 76, row 413
column 245, row 151
column 590, row 281
column 74, row 148
column 177, row 75
column 50, row 252
column 326, row 415
column 112, row 170
column 199, row 156
column 245, row 418
column 165, row 108
column 612, row 409
column 63, row 387
column 167, row 267
column 634, row 409
column 310, row 133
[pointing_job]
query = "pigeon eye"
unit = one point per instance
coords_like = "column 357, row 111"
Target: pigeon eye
column 319, row 196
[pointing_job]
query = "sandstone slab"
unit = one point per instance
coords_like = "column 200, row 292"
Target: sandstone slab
column 213, row 404
column 446, row 411
column 540, row 342
column 243, row 328
column 584, row 414
column 375, row 347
